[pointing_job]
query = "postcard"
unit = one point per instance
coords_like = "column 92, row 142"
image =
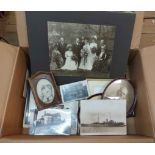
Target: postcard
column 103, row 117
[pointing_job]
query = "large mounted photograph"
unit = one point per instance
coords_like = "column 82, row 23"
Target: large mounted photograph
column 76, row 45
column 80, row 49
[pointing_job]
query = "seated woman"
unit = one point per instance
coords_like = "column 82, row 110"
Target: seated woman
column 56, row 58
column 70, row 63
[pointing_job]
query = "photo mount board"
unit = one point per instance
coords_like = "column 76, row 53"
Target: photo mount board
column 38, row 37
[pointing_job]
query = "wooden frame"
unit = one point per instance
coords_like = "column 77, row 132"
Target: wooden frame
column 35, row 83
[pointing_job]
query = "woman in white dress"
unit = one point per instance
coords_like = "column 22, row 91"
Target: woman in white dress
column 70, row 63
column 88, row 58
column 93, row 44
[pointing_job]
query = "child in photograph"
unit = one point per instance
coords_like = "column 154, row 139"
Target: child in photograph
column 47, row 95
column 70, row 63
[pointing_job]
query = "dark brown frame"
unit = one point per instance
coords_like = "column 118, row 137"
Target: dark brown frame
column 33, row 84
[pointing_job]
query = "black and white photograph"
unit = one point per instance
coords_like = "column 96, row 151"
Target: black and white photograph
column 80, row 49
column 30, row 110
column 96, row 86
column 74, row 108
column 45, row 91
column 121, row 89
column 74, row 91
column 52, row 122
column 103, row 117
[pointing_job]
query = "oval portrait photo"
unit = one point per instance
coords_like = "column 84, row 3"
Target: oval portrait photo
column 45, row 91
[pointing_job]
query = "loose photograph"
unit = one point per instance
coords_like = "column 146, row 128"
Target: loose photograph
column 80, row 49
column 74, row 91
column 103, row 117
column 52, row 122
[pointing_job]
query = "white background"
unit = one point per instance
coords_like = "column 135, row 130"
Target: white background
column 53, row 5
column 73, row 5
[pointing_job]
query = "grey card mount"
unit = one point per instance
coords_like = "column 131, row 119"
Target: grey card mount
column 96, row 44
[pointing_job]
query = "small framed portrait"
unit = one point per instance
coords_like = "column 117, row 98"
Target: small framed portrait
column 45, row 90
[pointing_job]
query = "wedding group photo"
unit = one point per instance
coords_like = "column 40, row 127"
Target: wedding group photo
column 80, row 49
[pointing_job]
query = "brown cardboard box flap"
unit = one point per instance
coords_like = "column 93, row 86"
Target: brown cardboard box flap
column 148, row 63
column 143, row 122
column 21, row 28
column 12, row 71
column 143, row 76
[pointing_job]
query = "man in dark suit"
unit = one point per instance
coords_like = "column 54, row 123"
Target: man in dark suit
column 62, row 47
column 101, row 61
column 77, row 49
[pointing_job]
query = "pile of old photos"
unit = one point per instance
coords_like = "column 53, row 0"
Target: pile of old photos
column 80, row 111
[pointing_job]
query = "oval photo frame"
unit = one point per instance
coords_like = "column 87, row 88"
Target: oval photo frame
column 122, row 89
column 45, row 90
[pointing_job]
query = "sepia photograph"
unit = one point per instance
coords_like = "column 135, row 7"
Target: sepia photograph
column 121, row 89
column 80, row 49
column 74, row 91
column 45, row 91
column 103, row 117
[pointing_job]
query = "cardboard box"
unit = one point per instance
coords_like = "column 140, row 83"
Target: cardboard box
column 147, row 40
column 12, row 77
column 140, row 129
column 12, row 103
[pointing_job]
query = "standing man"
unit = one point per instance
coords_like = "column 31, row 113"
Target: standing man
column 77, row 50
column 62, row 47
column 101, row 61
column 82, row 41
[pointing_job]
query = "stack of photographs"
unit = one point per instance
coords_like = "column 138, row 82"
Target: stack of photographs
column 30, row 110
column 31, row 115
column 97, row 117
